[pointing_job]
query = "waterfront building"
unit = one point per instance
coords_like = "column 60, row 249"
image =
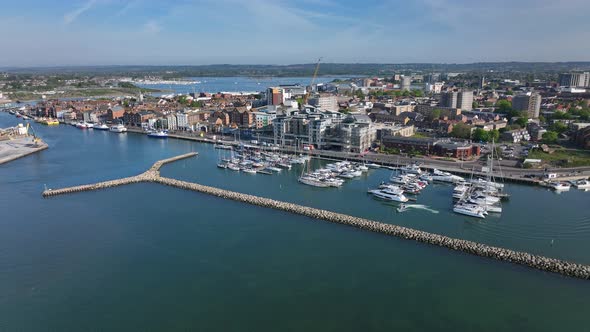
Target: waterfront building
column 355, row 133
column 432, row 146
column 172, row 123
column 274, row 96
column 325, row 102
column 529, row 102
column 264, row 119
column 115, row 113
column 182, row 121
column 575, row 80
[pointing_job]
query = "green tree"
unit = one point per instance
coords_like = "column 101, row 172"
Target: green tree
column 435, row 114
column 461, row 130
column 127, row 85
column 550, row 137
column 494, row 135
column 359, row 94
column 542, row 119
column 522, row 121
column 480, row 135
column 504, row 105
column 558, row 127
column 475, row 104
column 196, row 104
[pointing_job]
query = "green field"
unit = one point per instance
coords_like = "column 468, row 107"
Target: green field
column 563, row 157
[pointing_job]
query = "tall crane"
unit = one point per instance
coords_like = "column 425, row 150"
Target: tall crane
column 35, row 138
column 315, row 74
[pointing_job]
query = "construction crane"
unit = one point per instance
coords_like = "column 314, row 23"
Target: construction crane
column 35, row 138
column 315, row 74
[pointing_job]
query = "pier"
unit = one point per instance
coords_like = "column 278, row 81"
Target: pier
column 522, row 258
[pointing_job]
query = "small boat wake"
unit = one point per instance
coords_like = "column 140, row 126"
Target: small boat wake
column 421, row 207
column 411, row 206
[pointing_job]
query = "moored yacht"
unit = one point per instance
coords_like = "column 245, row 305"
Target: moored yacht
column 441, row 176
column 582, row 184
column 158, row 134
column 560, row 186
column 389, row 195
column 470, row 210
column 119, row 128
column 101, row 126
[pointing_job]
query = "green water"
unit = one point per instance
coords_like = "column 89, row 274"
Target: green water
column 148, row 257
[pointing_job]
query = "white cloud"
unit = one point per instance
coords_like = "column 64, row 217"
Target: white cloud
column 73, row 15
column 152, row 27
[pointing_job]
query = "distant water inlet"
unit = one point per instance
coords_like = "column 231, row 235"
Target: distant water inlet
column 538, row 262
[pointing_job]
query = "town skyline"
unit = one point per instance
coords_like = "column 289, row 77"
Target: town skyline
column 117, row 32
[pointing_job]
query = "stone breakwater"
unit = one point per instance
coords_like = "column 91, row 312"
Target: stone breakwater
column 535, row 261
column 522, row 258
column 150, row 175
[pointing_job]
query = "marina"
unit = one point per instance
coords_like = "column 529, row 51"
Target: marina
column 153, row 175
column 201, row 237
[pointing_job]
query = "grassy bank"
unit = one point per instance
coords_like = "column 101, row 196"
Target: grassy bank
column 563, row 157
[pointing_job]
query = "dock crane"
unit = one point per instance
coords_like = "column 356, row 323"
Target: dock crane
column 315, row 74
column 35, row 138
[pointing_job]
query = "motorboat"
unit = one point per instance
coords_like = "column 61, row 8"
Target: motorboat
column 158, row 134
column 402, row 207
column 479, row 198
column 249, row 170
column 482, row 183
column 441, row 176
column 119, row 128
column 460, row 191
column 373, row 165
column 233, row 167
column 560, row 186
column 470, row 210
column 222, row 165
column 582, row 184
column 101, row 126
column 411, row 169
column 392, row 188
column 388, row 195
column 313, row 181
column 425, row 177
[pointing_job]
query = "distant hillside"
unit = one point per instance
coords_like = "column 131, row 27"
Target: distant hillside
column 328, row 69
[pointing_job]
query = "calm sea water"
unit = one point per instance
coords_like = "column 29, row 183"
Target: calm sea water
column 148, row 257
column 237, row 84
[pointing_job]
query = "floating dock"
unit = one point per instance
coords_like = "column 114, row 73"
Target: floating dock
column 522, row 258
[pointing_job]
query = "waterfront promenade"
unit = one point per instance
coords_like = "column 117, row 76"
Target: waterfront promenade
column 535, row 261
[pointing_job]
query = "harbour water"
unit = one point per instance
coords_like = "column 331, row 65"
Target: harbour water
column 151, row 257
column 236, row 84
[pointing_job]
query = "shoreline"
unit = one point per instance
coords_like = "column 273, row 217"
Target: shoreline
column 387, row 160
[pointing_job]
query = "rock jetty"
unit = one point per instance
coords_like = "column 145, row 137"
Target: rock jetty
column 535, row 261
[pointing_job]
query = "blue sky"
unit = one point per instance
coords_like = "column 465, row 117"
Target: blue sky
column 104, row 32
